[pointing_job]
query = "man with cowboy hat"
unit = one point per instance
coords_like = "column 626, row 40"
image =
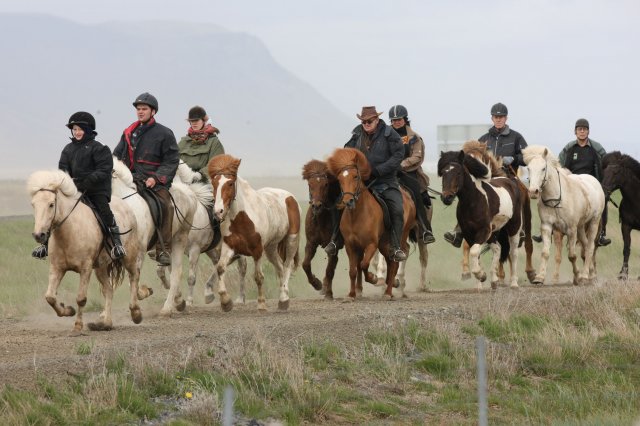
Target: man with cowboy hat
column 384, row 149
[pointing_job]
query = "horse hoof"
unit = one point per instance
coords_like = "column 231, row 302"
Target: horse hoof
column 76, row 333
column 494, row 285
column 388, row 297
column 136, row 315
column 396, row 283
column 189, row 303
column 181, row 306
column 328, row 296
column 380, row 282
column 101, row 326
column 583, row 281
column 514, row 286
column 623, row 277
column 226, row 307
column 209, row 298
column 531, row 276
column 283, row 305
column 349, row 299
column 317, row 284
column 67, row 311
column 425, row 289
column 482, row 278
column 466, row 276
column 537, row 281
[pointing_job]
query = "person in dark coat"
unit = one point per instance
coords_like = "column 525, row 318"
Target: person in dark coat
column 89, row 163
column 150, row 151
column 383, row 148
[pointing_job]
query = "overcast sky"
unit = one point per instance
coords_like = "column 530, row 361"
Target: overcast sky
column 549, row 61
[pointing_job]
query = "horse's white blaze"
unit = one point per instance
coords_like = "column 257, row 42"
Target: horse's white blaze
column 345, row 173
column 218, row 206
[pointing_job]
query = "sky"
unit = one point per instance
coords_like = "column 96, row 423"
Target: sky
column 550, row 61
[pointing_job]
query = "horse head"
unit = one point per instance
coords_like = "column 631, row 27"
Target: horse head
column 44, row 187
column 538, row 159
column 451, row 170
column 121, row 179
column 223, row 171
column 322, row 185
column 351, row 168
column 612, row 178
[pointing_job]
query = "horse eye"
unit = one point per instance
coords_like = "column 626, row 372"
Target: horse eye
column 50, row 205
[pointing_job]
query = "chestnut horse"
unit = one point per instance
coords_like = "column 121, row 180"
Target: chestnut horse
column 254, row 223
column 324, row 190
column 75, row 243
column 486, row 207
column 362, row 224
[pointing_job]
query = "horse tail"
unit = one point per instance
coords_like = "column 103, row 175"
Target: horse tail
column 505, row 247
column 526, row 216
column 115, row 270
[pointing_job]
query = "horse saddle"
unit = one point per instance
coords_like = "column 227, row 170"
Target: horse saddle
column 215, row 225
column 106, row 241
column 385, row 210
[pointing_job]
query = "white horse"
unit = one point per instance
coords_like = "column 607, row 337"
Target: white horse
column 186, row 203
column 254, row 223
column 75, row 243
column 200, row 239
column 571, row 204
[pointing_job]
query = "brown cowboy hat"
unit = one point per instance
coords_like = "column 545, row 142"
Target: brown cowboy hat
column 368, row 112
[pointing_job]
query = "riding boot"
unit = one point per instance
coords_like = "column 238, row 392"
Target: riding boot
column 41, row 252
column 426, row 234
column 454, row 237
column 163, row 246
column 397, row 254
column 602, row 239
column 118, row 251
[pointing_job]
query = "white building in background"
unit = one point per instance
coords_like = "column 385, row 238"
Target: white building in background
column 451, row 136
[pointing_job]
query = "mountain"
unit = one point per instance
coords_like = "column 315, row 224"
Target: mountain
column 53, row 67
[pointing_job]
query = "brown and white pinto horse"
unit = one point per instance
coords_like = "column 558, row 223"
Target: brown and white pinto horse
column 362, row 223
column 254, row 223
column 323, row 192
column 484, row 208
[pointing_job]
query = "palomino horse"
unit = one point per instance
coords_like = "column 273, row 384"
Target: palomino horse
column 362, row 223
column 201, row 240
column 76, row 244
column 478, row 150
column 485, row 206
column 623, row 172
column 185, row 205
column 572, row 204
column 324, row 190
column 254, row 223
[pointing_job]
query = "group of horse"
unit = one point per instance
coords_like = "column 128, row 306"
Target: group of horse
column 493, row 206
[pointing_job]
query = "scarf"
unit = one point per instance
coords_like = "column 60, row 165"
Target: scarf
column 200, row 136
column 127, row 136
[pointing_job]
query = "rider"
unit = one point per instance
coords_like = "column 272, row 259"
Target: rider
column 412, row 176
column 383, row 148
column 151, row 152
column 200, row 144
column 89, row 163
column 502, row 141
column 584, row 156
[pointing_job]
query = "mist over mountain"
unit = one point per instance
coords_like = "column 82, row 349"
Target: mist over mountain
column 53, row 67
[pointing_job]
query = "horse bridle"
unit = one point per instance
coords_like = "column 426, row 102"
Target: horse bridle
column 548, row 201
column 453, row 163
column 235, row 188
column 358, row 192
column 52, row 226
column 324, row 176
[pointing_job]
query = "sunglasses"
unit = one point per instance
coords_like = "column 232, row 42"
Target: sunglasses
column 369, row 121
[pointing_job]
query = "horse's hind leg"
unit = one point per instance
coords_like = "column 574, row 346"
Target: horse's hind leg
column 161, row 271
column 466, row 273
column 495, row 265
column 55, row 276
column 513, row 259
column 258, row 276
column 557, row 242
column 329, row 273
column 381, row 268
column 105, row 323
column 194, row 254
column 424, row 261
column 81, row 298
column 309, row 253
column 571, row 253
column 242, row 272
column 626, row 251
column 474, row 257
column 368, row 254
column 209, row 294
column 545, row 231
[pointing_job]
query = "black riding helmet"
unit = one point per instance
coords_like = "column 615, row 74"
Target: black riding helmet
column 81, row 118
column 398, row 111
column 147, row 99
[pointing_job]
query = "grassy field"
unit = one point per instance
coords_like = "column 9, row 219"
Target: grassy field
column 568, row 362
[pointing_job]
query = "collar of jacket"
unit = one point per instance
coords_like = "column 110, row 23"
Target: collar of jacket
column 504, row 131
column 413, row 136
column 575, row 142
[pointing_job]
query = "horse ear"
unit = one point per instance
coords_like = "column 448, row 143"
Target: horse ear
column 461, row 156
column 546, row 151
column 476, row 167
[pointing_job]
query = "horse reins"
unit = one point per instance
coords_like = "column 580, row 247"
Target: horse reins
column 53, row 226
column 548, row 201
column 356, row 194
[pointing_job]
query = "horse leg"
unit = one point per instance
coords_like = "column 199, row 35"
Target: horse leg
column 466, row 273
column 105, row 323
column 209, row 286
column 369, row 253
column 287, row 267
column 571, row 254
column 161, row 271
column 545, row 232
column 557, row 242
column 327, row 285
column 55, row 276
column 400, row 281
column 194, row 254
column 424, row 260
column 133, row 269
column 309, row 254
column 513, row 259
column 501, row 273
column 258, row 277
column 626, row 251
column 81, row 298
column 392, row 270
column 353, row 272
column 381, row 268
column 589, row 246
column 476, row 269
column 495, row 265
column 226, row 254
column 174, row 297
column 242, row 271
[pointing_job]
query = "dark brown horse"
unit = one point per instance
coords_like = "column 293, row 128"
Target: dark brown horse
column 323, row 192
column 489, row 210
column 362, row 223
column 622, row 172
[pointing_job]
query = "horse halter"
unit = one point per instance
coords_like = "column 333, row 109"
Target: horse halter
column 235, row 188
column 52, row 226
column 450, row 165
column 555, row 201
column 358, row 192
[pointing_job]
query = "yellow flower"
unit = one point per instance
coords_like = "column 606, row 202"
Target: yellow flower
column 188, row 395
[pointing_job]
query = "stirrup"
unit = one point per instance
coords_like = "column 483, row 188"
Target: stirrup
column 537, row 238
column 453, row 238
column 163, row 258
column 41, row 252
column 603, row 241
column 398, row 255
column 428, row 238
column 331, row 249
column 118, row 252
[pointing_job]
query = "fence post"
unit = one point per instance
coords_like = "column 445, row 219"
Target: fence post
column 227, row 406
column 482, row 381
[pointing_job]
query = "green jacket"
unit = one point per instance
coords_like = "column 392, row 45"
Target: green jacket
column 600, row 152
column 197, row 155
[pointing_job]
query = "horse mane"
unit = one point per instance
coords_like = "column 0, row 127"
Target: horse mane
column 447, row 158
column 476, row 168
column 345, row 157
column 624, row 160
column 539, row 151
column 612, row 157
column 314, row 168
column 53, row 180
column 122, row 172
column 478, row 150
column 223, row 164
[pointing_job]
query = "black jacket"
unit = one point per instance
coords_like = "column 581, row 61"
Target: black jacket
column 505, row 143
column 89, row 163
column 385, row 153
column 154, row 150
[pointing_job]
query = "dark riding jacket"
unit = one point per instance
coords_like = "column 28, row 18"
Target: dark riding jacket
column 385, row 153
column 505, row 143
column 89, row 163
column 150, row 150
column 570, row 157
